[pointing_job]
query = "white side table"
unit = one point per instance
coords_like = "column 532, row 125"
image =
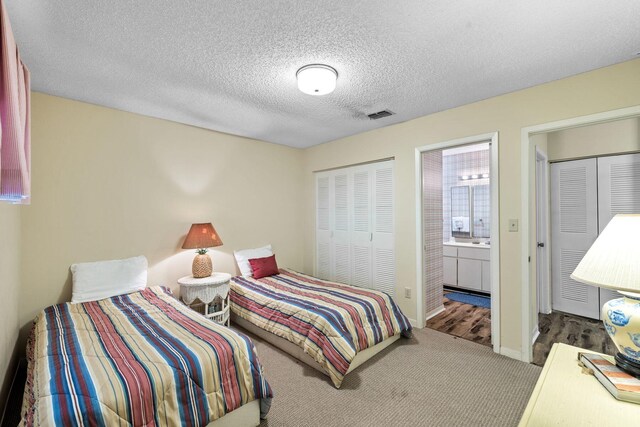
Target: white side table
column 565, row 396
column 206, row 290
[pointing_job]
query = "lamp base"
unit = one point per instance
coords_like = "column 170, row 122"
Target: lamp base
column 631, row 367
column 621, row 318
column 202, row 266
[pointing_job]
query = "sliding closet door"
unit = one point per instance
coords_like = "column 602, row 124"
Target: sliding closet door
column 384, row 261
column 361, row 237
column 574, row 228
column 354, row 226
column 323, row 228
column 341, row 268
column 618, row 193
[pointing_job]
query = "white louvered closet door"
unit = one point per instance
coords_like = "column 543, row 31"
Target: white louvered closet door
column 361, row 237
column 618, row 193
column 574, row 228
column 341, row 207
column 384, row 261
column 323, row 228
column 354, row 226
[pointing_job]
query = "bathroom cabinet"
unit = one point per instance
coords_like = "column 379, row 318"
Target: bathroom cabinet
column 467, row 266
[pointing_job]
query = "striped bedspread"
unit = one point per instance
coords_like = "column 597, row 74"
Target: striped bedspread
column 330, row 321
column 141, row 359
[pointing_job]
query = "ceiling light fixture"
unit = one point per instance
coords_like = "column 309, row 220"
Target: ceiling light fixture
column 317, row 79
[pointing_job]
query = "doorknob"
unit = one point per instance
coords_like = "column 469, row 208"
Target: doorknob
column 541, row 244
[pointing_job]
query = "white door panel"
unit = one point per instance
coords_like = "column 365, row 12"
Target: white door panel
column 470, row 273
column 450, row 271
column 323, row 228
column 486, row 276
column 618, row 187
column 355, row 224
column 574, row 228
column 340, row 207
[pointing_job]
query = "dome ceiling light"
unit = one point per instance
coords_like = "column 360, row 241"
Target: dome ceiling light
column 317, row 79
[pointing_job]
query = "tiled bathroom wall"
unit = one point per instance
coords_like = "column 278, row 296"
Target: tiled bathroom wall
column 454, row 167
column 432, row 223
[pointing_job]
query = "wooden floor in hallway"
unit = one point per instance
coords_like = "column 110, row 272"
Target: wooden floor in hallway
column 578, row 331
column 463, row 320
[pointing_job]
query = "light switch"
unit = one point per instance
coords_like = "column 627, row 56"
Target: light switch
column 513, row 225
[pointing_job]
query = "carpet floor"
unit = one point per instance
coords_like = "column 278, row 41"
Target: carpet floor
column 432, row 379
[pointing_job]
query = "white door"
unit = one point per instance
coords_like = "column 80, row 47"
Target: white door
column 542, row 224
column 618, row 193
column 323, row 228
column 361, row 227
column 574, row 228
column 354, row 226
column 382, row 238
column 341, row 268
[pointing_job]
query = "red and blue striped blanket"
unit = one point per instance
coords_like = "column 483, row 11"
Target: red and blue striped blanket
column 330, row 321
column 141, row 359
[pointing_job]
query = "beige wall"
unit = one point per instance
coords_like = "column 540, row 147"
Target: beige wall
column 109, row 184
column 620, row 136
column 9, row 288
column 601, row 90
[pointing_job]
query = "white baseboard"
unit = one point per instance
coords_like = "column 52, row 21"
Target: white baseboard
column 434, row 312
column 414, row 323
column 509, row 352
column 536, row 334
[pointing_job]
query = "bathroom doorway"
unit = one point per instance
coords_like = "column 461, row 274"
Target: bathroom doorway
column 459, row 262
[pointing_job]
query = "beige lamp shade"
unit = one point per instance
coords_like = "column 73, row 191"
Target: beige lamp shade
column 201, row 236
column 613, row 261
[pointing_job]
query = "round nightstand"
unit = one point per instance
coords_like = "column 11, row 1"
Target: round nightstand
column 206, row 290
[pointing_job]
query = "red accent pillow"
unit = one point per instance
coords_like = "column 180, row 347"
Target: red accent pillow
column 264, row 267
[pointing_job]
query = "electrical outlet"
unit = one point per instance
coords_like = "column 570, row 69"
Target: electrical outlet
column 513, row 225
column 407, row 292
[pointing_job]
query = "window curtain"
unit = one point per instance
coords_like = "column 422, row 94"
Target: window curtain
column 15, row 112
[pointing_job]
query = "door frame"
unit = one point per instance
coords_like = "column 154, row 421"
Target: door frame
column 527, row 161
column 495, row 229
column 543, row 266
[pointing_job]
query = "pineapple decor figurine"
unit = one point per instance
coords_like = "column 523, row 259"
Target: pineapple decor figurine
column 202, row 265
column 201, row 237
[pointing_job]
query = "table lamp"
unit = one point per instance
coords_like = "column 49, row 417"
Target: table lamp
column 613, row 262
column 201, row 237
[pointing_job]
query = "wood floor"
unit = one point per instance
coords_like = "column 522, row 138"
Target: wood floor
column 570, row 329
column 463, row 320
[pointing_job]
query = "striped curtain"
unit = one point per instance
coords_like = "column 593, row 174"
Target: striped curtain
column 15, row 112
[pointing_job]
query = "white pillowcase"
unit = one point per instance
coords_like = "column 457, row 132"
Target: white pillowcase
column 93, row 281
column 243, row 257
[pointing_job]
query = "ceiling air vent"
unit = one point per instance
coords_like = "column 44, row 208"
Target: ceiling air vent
column 380, row 114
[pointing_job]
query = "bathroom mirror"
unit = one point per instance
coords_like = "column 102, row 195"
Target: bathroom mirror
column 461, row 211
column 481, row 212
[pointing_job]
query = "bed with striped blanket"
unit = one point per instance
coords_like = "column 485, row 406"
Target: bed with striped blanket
column 139, row 359
column 331, row 322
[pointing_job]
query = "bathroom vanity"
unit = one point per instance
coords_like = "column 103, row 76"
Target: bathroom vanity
column 467, row 266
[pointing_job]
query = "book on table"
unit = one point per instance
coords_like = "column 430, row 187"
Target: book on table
column 620, row 384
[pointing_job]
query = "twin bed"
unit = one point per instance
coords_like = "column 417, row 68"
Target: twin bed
column 332, row 327
column 144, row 358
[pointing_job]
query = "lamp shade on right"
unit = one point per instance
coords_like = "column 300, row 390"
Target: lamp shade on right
column 613, row 261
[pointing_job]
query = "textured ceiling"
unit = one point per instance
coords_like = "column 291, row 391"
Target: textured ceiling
column 230, row 65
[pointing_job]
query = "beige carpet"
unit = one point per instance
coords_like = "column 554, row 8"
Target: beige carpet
column 432, row 379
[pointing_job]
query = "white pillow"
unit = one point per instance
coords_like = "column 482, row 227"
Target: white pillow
column 243, row 257
column 94, row 281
